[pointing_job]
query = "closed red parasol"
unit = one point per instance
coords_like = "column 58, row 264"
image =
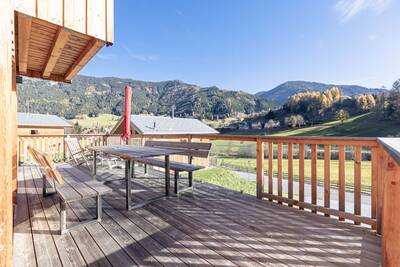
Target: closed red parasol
column 127, row 113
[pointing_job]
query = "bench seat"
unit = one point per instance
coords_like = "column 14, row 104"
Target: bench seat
column 175, row 166
column 75, row 191
column 189, row 149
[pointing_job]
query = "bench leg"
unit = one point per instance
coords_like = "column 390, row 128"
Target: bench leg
column 176, row 182
column 145, row 168
column 63, row 217
column 99, row 208
column 44, row 187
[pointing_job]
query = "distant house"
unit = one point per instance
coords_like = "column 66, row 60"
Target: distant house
column 143, row 124
column 243, row 126
column 29, row 123
column 256, row 125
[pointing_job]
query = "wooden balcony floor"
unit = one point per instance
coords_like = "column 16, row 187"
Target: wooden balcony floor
column 212, row 226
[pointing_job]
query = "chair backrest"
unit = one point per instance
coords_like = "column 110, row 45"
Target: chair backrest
column 198, row 150
column 73, row 145
column 76, row 151
column 46, row 162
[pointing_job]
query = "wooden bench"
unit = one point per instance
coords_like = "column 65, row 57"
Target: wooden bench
column 69, row 190
column 189, row 149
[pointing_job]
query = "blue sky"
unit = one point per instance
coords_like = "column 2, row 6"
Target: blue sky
column 254, row 45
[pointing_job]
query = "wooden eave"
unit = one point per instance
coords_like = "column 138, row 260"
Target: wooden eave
column 48, row 51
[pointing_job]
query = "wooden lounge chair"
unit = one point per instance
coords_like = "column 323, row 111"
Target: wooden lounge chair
column 69, row 191
column 189, row 149
column 81, row 156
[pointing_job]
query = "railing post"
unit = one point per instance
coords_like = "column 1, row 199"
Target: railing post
column 260, row 168
column 391, row 215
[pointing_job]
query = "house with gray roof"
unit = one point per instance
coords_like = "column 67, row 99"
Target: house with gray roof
column 30, row 123
column 144, row 124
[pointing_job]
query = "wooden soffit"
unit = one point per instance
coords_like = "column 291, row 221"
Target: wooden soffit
column 48, row 51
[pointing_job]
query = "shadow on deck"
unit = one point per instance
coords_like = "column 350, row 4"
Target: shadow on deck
column 212, row 226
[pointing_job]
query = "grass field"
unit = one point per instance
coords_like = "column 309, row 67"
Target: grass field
column 249, row 165
column 227, row 179
column 365, row 125
column 103, row 120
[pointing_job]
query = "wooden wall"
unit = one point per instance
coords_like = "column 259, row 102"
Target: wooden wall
column 25, row 130
column 91, row 17
column 7, row 129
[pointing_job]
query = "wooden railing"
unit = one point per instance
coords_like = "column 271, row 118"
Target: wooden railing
column 286, row 166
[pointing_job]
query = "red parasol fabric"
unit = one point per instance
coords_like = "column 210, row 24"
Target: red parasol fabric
column 127, row 113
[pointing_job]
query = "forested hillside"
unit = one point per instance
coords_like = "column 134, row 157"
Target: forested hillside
column 92, row 96
column 281, row 93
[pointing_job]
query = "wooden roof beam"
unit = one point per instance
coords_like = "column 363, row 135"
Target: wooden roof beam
column 60, row 41
column 24, row 36
column 91, row 49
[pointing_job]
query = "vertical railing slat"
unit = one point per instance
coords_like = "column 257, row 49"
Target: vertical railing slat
column 374, row 182
column 270, row 168
column 342, row 181
column 260, row 168
column 357, row 181
column 301, row 173
column 290, row 171
column 280, row 170
column 314, row 174
column 327, row 177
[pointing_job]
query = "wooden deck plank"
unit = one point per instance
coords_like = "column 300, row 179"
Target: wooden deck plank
column 231, row 254
column 24, row 253
column 45, row 249
column 212, row 226
column 117, row 202
column 87, row 246
column 308, row 259
column 68, row 251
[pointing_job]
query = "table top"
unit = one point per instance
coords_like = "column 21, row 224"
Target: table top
column 133, row 152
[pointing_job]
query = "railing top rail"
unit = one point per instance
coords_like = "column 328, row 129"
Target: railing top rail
column 392, row 146
column 320, row 140
column 64, row 135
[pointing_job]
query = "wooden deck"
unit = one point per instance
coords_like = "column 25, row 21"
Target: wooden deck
column 212, row 226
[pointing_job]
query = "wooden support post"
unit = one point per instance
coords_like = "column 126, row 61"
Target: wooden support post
column 7, row 121
column 391, row 215
column 260, row 168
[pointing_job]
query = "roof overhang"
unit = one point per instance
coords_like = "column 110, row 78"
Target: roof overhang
column 56, row 39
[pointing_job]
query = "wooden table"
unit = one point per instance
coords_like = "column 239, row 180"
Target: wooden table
column 131, row 153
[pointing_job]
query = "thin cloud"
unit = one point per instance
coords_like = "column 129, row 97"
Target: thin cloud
column 140, row 57
column 347, row 9
column 105, row 56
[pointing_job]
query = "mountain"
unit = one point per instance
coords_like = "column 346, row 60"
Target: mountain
column 281, row 93
column 91, row 95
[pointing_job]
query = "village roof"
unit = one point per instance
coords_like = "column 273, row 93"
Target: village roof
column 145, row 124
column 41, row 120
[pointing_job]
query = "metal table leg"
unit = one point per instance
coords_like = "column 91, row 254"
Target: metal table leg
column 167, row 178
column 128, row 184
column 94, row 167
